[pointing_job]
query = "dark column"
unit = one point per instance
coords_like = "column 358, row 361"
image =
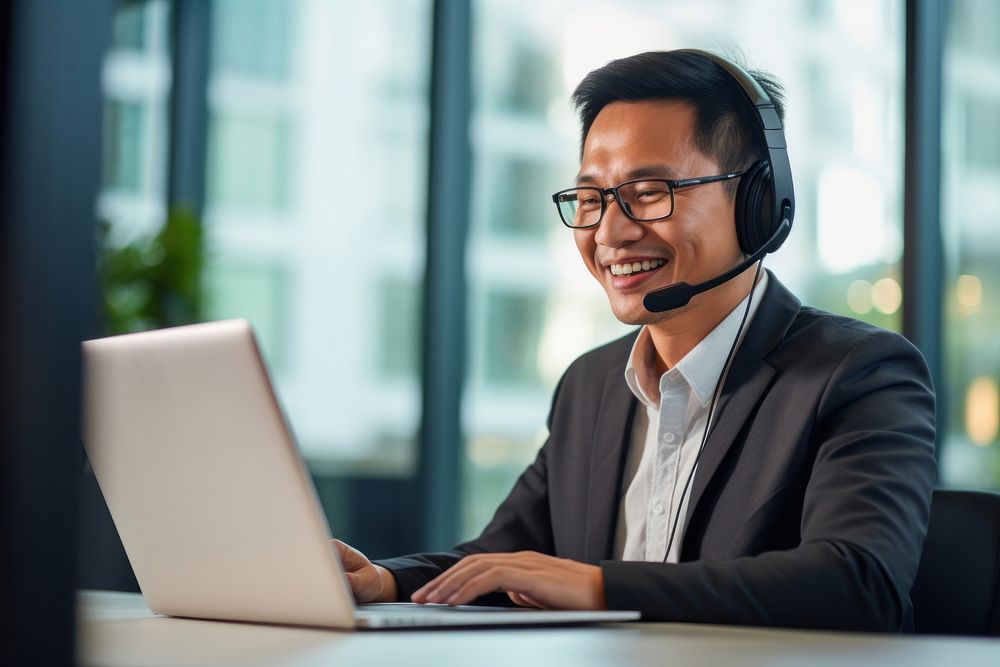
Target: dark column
column 923, row 259
column 50, row 135
column 190, row 55
column 445, row 292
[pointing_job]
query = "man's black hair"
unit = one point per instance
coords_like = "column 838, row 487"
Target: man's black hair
column 727, row 127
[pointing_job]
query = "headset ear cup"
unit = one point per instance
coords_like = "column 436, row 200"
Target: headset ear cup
column 755, row 208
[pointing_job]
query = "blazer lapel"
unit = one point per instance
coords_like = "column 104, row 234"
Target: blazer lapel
column 749, row 377
column 611, row 440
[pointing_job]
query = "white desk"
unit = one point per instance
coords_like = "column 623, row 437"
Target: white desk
column 118, row 629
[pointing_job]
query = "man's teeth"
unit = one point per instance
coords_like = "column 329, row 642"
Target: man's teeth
column 636, row 267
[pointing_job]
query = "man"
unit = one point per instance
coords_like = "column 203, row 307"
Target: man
column 800, row 499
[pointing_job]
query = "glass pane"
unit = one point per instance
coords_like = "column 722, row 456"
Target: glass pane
column 315, row 203
column 521, row 183
column 257, row 291
column 136, row 84
column 844, row 83
column 123, row 144
column 129, row 24
column 971, row 198
column 261, row 146
column 252, row 38
column 513, row 326
column 399, row 348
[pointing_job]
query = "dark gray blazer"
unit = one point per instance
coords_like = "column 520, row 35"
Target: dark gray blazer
column 809, row 505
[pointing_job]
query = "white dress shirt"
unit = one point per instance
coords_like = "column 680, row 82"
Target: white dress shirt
column 666, row 434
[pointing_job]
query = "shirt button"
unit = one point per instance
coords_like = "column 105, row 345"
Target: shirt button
column 668, row 438
column 658, row 509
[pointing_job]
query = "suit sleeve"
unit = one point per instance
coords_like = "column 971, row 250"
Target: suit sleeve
column 522, row 522
column 864, row 518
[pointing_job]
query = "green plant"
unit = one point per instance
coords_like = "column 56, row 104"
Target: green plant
column 154, row 281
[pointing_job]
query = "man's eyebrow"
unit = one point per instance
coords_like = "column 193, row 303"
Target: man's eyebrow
column 651, row 171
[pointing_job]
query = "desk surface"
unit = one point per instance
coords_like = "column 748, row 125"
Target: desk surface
column 119, row 629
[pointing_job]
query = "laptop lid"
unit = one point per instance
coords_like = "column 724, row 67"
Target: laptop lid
column 215, row 509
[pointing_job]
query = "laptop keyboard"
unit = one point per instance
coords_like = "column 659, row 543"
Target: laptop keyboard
column 408, row 614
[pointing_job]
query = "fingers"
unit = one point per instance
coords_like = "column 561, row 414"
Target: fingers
column 442, row 587
column 528, row 578
column 477, row 575
column 486, row 581
column 342, row 549
column 523, row 600
column 363, row 577
column 351, row 558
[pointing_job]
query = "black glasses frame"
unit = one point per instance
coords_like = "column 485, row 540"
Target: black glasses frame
column 671, row 183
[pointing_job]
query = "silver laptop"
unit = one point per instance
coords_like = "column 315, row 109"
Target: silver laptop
column 213, row 504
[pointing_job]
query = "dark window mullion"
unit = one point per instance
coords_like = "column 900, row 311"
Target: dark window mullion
column 190, row 51
column 923, row 257
column 444, row 326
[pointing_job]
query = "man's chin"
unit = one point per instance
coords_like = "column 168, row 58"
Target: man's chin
column 635, row 314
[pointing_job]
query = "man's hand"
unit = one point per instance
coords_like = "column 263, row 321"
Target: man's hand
column 369, row 582
column 530, row 579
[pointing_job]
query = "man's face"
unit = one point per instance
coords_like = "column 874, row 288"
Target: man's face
column 698, row 241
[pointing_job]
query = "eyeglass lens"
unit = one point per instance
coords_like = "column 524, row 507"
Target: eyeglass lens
column 644, row 200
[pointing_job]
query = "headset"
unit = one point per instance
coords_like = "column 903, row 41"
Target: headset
column 765, row 200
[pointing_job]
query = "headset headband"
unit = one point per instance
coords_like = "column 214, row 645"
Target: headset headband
column 774, row 136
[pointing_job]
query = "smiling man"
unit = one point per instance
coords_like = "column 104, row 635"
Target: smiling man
column 739, row 458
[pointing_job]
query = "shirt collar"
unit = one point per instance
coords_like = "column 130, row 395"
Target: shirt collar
column 700, row 368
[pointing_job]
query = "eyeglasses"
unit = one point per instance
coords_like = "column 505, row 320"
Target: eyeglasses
column 642, row 200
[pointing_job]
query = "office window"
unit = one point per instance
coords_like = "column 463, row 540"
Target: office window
column 521, row 181
column 136, row 85
column 531, row 76
column 130, row 24
column 396, row 198
column 973, row 28
column 317, row 161
column 259, row 291
column 124, row 124
column 399, row 348
column 262, row 146
column 253, row 37
column 982, row 121
column 841, row 64
column 971, row 232
column 513, row 327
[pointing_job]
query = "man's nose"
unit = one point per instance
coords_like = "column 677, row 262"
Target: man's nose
column 616, row 228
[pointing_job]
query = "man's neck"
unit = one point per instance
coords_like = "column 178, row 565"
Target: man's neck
column 674, row 337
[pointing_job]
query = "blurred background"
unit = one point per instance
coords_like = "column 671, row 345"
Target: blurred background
column 315, row 125
column 368, row 183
